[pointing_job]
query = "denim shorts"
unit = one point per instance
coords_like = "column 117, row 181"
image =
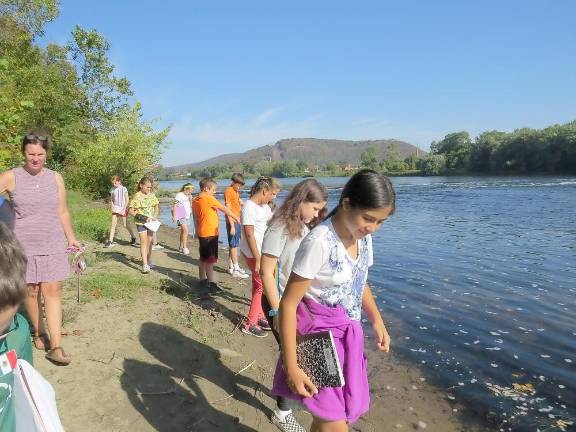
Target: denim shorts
column 234, row 240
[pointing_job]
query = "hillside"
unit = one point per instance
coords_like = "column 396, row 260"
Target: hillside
column 316, row 150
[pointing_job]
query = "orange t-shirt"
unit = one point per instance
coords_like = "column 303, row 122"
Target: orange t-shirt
column 232, row 200
column 205, row 208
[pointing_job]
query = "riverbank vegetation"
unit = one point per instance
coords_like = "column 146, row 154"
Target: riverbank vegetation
column 71, row 93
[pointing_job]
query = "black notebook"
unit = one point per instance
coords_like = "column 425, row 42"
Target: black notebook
column 317, row 357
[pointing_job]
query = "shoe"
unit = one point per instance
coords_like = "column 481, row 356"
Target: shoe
column 150, row 265
column 241, row 270
column 213, row 287
column 185, row 251
column 108, row 244
column 231, row 270
column 145, row 268
column 133, row 241
column 264, row 325
column 254, row 330
column 287, row 424
column 157, row 247
column 239, row 275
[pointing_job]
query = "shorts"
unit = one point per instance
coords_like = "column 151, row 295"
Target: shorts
column 208, row 249
column 183, row 221
column 47, row 268
column 234, row 240
column 141, row 228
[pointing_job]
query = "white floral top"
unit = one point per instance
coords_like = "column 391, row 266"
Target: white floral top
column 337, row 279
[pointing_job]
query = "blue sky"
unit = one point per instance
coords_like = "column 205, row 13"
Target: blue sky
column 234, row 75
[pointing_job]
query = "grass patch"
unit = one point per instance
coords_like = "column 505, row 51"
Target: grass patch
column 114, row 286
column 90, row 221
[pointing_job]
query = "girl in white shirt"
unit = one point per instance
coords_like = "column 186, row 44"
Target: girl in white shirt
column 254, row 217
column 302, row 209
column 181, row 212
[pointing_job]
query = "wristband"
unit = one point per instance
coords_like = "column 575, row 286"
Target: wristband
column 273, row 312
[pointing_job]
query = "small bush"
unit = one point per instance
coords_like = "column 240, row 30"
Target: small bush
column 89, row 222
column 115, row 286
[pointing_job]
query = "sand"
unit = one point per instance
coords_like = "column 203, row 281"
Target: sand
column 174, row 359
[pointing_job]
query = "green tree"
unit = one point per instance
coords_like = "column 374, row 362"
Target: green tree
column 369, row 158
column 456, row 147
column 433, row 164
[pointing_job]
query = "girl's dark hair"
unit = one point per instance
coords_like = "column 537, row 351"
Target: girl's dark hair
column 187, row 186
column 368, row 189
column 34, row 137
column 288, row 214
column 262, row 183
column 144, row 180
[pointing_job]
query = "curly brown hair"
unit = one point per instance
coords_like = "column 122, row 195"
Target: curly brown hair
column 310, row 190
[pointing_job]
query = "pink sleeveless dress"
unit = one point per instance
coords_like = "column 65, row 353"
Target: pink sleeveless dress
column 38, row 227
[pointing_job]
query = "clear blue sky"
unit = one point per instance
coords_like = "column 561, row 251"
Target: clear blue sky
column 234, row 75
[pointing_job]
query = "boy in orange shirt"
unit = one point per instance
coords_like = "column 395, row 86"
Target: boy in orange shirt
column 205, row 208
column 234, row 230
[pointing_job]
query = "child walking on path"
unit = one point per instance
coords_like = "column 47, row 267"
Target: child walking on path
column 144, row 206
column 181, row 212
column 327, row 290
column 255, row 216
column 304, row 207
column 205, row 208
column 119, row 202
column 234, row 230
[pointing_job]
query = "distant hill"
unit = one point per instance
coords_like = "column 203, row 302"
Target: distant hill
column 315, row 150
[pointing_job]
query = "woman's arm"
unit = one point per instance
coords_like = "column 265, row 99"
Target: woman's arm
column 369, row 306
column 63, row 212
column 7, row 181
column 249, row 230
column 297, row 380
column 267, row 267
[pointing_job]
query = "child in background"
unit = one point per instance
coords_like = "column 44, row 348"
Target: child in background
column 144, row 206
column 205, row 209
column 234, row 230
column 181, row 212
column 302, row 209
column 119, row 202
column 255, row 216
column 327, row 291
column 14, row 329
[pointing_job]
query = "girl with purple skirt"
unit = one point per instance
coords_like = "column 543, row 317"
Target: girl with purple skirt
column 327, row 290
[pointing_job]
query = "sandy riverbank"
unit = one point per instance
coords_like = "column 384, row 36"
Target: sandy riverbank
column 171, row 358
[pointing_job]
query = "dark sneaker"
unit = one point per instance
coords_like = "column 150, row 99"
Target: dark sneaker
column 108, row 244
column 264, row 324
column 288, row 423
column 254, row 330
column 213, row 287
column 133, row 241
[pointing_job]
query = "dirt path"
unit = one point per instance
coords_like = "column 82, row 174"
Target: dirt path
column 173, row 359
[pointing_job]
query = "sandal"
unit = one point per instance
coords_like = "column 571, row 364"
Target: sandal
column 58, row 356
column 41, row 342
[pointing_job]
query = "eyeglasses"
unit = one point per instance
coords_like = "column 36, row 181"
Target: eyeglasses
column 36, row 137
column 14, row 324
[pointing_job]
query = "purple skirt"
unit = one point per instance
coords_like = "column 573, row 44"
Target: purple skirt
column 332, row 403
column 47, row 268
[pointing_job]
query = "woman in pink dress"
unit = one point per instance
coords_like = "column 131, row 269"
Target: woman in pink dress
column 43, row 227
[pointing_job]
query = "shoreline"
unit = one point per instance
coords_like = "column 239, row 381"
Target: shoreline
column 172, row 357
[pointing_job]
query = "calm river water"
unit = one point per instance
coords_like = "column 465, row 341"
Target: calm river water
column 476, row 277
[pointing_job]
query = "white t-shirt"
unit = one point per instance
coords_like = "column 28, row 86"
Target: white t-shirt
column 278, row 244
column 257, row 216
column 184, row 200
column 337, row 279
column 119, row 197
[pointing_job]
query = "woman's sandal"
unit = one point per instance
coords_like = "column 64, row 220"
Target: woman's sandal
column 58, row 356
column 41, row 342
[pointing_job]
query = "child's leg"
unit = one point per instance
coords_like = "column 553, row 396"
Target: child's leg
column 150, row 237
column 128, row 227
column 144, row 246
column 209, row 268
column 319, row 425
column 113, row 227
column 255, row 313
column 233, row 257
column 202, row 270
column 184, row 236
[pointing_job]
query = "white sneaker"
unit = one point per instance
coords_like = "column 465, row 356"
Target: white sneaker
column 288, row 423
column 185, row 251
column 145, row 268
column 231, row 270
column 157, row 247
column 240, row 270
column 239, row 275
